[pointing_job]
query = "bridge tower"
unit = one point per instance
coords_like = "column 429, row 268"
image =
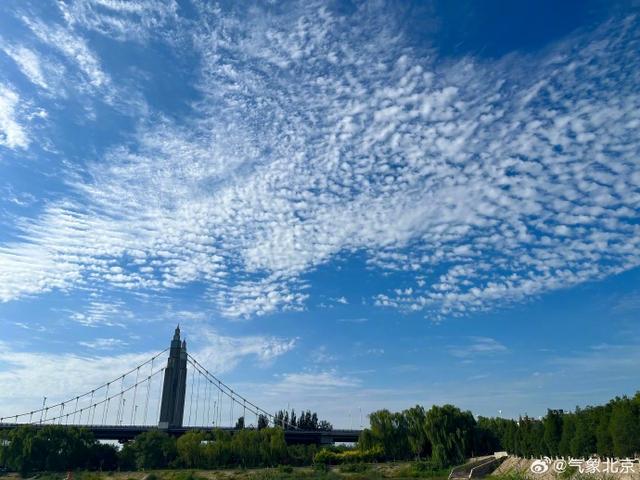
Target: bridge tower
column 175, row 384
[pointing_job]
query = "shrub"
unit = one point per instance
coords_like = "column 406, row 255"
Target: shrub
column 354, row 468
column 326, row 457
column 421, row 470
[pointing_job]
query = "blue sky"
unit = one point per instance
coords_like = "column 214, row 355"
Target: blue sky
column 345, row 205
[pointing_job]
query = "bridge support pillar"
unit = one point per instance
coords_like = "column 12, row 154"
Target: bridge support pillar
column 175, row 384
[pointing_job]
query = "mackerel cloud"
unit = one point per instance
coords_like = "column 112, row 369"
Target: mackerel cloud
column 481, row 181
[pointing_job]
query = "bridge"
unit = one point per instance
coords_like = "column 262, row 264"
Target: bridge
column 178, row 397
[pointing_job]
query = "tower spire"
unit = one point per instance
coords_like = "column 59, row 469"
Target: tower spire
column 175, row 383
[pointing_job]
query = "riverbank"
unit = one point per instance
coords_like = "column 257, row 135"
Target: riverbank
column 359, row 471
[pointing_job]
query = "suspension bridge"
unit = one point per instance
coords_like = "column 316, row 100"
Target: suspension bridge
column 176, row 396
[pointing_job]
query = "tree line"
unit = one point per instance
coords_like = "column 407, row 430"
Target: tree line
column 306, row 421
column 28, row 449
column 446, row 435
column 610, row 430
column 441, row 436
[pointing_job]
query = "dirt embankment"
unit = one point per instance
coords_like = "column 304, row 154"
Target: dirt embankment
column 523, row 467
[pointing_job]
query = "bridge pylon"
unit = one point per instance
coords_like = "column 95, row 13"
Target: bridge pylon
column 175, row 384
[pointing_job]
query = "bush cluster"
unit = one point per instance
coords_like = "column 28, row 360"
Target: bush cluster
column 328, row 456
column 57, row 448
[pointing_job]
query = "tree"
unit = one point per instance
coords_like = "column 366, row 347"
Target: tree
column 568, row 433
column 417, row 436
column 624, row 427
column 450, row 432
column 486, row 438
column 604, row 442
column 325, row 426
column 240, row 423
column 154, row 449
column 263, row 421
column 389, row 430
column 583, row 443
column 552, row 431
column 103, row 456
column 190, row 450
column 52, row 448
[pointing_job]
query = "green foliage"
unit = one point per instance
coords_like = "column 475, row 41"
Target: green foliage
column 416, row 433
column 54, row 448
column 246, row 448
column 450, row 432
column 553, row 431
column 355, row 468
column 240, row 423
column 190, row 451
column 306, row 421
column 447, row 435
column 178, row 475
column 513, row 475
column 624, row 427
column 421, row 470
column 154, row 449
column 328, row 456
column 390, row 432
column 300, row 455
column 443, row 436
column 263, row 421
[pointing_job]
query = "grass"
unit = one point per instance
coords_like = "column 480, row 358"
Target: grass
column 512, row 475
column 421, row 470
column 353, row 471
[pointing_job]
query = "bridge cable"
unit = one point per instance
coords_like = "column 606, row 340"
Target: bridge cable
column 73, row 421
column 208, row 404
column 133, row 403
column 226, row 390
column 120, row 403
column 232, row 395
column 160, row 395
column 193, row 379
column 115, row 395
column 44, row 410
column 146, row 403
column 198, row 398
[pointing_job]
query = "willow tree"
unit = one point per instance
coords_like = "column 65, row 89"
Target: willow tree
column 450, row 431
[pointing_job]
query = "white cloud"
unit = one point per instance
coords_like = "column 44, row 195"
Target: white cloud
column 313, row 381
column 223, row 353
column 102, row 313
column 322, row 355
column 75, row 49
column 103, row 343
column 59, row 376
column 475, row 346
column 315, row 137
column 353, row 320
column 28, row 61
column 132, row 20
column 13, row 134
column 63, row 376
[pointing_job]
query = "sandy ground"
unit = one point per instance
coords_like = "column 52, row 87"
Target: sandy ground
column 523, row 466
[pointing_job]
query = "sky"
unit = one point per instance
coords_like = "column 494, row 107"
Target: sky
column 346, row 206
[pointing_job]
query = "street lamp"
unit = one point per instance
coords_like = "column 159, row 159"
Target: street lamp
column 44, row 401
